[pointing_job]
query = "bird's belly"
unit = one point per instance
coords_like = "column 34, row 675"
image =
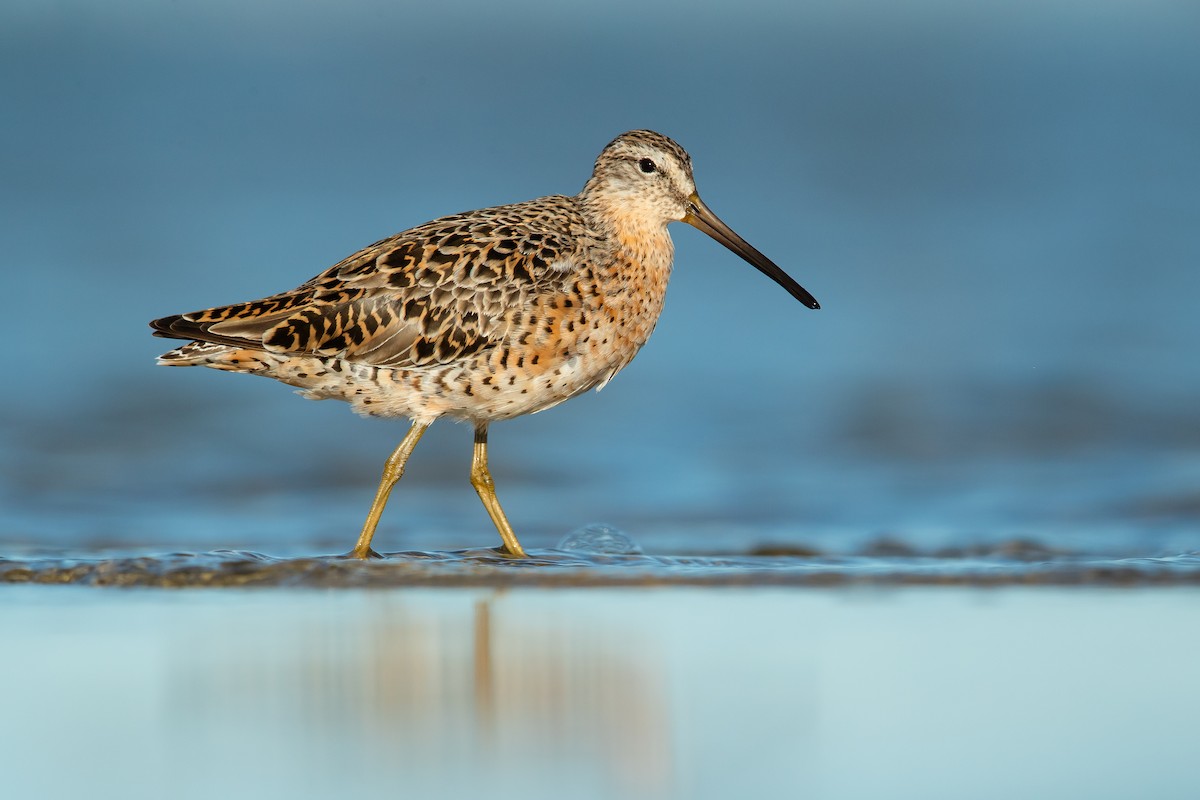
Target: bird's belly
column 522, row 375
column 469, row 392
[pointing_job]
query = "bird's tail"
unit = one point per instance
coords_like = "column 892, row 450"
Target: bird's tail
column 216, row 356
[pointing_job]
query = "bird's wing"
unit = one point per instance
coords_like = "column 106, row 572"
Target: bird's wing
column 429, row 295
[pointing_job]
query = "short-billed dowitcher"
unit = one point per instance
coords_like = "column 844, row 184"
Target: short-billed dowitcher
column 481, row 316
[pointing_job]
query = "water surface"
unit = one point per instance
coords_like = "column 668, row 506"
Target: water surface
column 528, row 693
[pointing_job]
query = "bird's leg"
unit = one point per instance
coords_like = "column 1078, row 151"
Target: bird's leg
column 393, row 468
column 481, row 479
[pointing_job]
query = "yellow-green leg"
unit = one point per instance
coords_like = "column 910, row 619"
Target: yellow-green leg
column 393, row 468
column 481, row 479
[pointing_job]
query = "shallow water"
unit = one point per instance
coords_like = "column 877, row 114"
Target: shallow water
column 524, row 693
column 996, row 205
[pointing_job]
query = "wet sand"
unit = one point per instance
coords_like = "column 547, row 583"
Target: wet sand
column 1010, row 563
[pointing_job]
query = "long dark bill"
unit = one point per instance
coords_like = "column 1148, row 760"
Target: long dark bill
column 699, row 216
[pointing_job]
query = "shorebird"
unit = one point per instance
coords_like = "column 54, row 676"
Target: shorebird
column 480, row 316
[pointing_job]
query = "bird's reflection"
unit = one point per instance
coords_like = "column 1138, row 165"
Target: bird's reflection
column 480, row 683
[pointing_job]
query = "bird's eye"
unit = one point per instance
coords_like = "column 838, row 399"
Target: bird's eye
column 646, row 165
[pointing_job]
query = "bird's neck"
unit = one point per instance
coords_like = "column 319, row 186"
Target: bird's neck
column 630, row 226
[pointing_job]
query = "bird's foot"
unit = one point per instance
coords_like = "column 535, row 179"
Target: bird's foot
column 363, row 554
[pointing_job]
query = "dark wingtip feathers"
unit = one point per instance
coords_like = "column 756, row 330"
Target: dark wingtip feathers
column 165, row 327
column 179, row 326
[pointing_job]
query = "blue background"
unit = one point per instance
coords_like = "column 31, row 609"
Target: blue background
column 998, row 205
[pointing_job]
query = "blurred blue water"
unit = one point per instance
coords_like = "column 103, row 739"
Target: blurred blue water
column 998, row 206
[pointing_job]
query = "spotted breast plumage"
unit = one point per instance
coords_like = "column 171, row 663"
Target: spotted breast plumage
column 480, row 316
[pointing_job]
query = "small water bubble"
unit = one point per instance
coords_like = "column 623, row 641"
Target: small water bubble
column 598, row 537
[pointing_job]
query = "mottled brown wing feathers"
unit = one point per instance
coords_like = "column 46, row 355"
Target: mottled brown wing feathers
column 240, row 324
column 430, row 295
